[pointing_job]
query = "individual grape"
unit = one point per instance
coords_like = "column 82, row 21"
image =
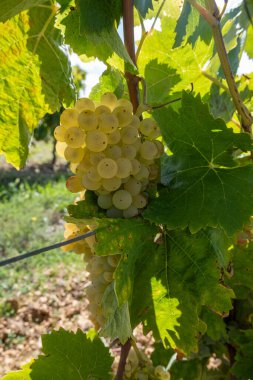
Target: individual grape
column 60, row 148
column 59, row 133
column 96, row 141
column 73, row 167
column 88, row 120
column 125, row 103
column 109, row 99
column 111, row 184
column 123, row 115
column 137, row 144
column 155, row 133
column 114, row 213
column 108, row 276
column 124, row 167
column 135, row 122
column 148, row 150
column 129, row 135
column 96, row 157
column 130, row 212
column 160, row 148
column 102, row 191
column 143, row 173
column 102, row 109
column 122, row 199
column 93, row 174
column 139, row 201
column 90, row 185
column 114, row 137
column 133, row 186
column 74, row 184
column 161, row 373
column 129, row 151
column 75, row 137
column 113, row 260
column 108, row 122
column 69, row 118
column 85, row 104
column 107, row 168
column 105, row 201
column 83, row 166
column 113, row 151
column 153, row 172
column 136, row 166
column 147, row 126
column 74, row 154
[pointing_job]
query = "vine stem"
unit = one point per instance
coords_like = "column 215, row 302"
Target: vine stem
column 212, row 15
column 123, row 357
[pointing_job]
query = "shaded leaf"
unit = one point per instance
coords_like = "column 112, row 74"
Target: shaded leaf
column 10, row 8
column 143, row 6
column 111, row 80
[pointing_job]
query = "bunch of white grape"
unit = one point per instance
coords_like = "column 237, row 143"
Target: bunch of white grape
column 142, row 368
column 111, row 152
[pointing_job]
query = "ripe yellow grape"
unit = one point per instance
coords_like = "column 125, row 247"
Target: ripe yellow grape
column 133, row 186
column 139, row 201
column 135, row 122
column 73, row 167
column 85, row 104
column 124, row 167
column 125, row 103
column 96, row 141
column 107, row 122
column 59, row 133
column 75, row 137
column 90, row 185
column 113, row 151
column 74, row 155
column 129, row 135
column 136, row 166
column 153, row 172
column 83, row 166
column 122, row 199
column 107, row 168
column 148, row 150
column 96, row 157
column 111, row 184
column 130, row 212
column 105, row 201
column 74, row 184
column 60, row 148
column 102, row 109
column 146, row 126
column 88, row 120
column 114, row 137
column 128, row 151
column 123, row 115
column 160, row 148
column 69, row 118
column 143, row 173
column 93, row 174
column 109, row 99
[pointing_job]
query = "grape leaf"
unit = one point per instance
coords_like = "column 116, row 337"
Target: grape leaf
column 117, row 323
column 111, row 80
column 86, row 208
column 186, row 266
column 10, row 8
column 143, row 6
column 71, row 356
column 23, row 374
column 36, row 79
column 216, row 327
column 203, row 178
column 243, row 367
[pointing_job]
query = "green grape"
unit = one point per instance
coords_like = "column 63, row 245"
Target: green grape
column 124, row 167
column 69, row 118
column 155, row 133
column 143, row 173
column 90, row 185
column 123, row 115
column 74, row 154
column 84, row 104
column 129, row 151
column 107, row 168
column 160, row 148
column 114, row 213
column 96, row 141
column 133, row 186
column 75, row 137
column 129, row 135
column 93, row 174
column 139, row 201
column 96, row 157
column 105, row 201
column 135, row 122
column 111, row 184
column 137, row 144
column 102, row 109
column 102, row 191
column 122, row 199
column 108, row 276
column 148, row 150
column 130, row 212
column 125, row 103
column 114, row 137
column 107, row 123
column 88, row 120
column 161, row 373
column 59, row 133
column 109, row 99
column 113, row 151
column 60, row 148
column 83, row 166
column 74, row 184
column 136, row 166
column 147, row 126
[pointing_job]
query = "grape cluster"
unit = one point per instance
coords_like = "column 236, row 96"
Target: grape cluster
column 142, row 368
column 111, row 152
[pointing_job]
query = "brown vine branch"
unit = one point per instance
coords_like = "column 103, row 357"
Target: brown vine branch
column 123, row 357
column 212, row 15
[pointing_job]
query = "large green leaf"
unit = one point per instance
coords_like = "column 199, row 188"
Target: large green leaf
column 143, row 6
column 206, row 187
column 35, row 78
column 185, row 273
column 111, row 80
column 72, row 356
column 10, row 8
column 243, row 367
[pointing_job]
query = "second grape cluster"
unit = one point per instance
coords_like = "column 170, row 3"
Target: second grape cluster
column 111, row 152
